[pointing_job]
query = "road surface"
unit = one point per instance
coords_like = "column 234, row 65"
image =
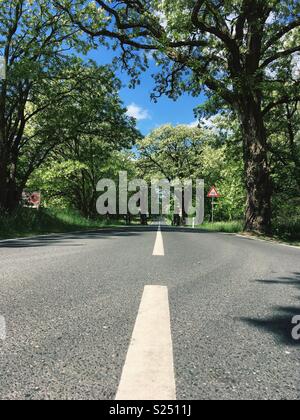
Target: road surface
column 215, row 309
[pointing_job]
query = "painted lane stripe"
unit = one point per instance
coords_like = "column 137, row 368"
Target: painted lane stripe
column 2, row 328
column 159, row 250
column 148, row 373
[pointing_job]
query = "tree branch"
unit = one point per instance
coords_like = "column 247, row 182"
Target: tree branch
column 280, row 54
column 284, row 100
column 281, row 33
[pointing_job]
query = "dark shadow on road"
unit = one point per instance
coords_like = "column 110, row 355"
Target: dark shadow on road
column 66, row 239
column 280, row 325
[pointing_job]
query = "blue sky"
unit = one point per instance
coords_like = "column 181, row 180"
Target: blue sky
column 150, row 115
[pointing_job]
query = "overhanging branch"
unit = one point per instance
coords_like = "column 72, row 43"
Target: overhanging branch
column 280, row 54
column 281, row 33
column 284, row 100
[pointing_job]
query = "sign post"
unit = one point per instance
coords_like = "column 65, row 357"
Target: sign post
column 213, row 193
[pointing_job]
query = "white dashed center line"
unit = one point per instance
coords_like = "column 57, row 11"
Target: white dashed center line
column 159, row 250
column 2, row 328
column 148, row 373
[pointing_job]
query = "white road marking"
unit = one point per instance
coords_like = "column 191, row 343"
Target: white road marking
column 159, row 250
column 148, row 373
column 2, row 328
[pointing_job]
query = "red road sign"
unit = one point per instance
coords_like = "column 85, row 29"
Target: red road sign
column 213, row 193
column 35, row 199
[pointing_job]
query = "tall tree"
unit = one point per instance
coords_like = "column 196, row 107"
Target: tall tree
column 88, row 131
column 35, row 42
column 227, row 47
column 172, row 153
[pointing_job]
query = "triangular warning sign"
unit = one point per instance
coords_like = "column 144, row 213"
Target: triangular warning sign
column 213, row 193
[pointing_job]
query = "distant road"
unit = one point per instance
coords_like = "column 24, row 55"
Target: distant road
column 176, row 313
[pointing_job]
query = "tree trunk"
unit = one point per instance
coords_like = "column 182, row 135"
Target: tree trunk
column 10, row 194
column 258, row 181
column 143, row 219
column 3, row 182
column 3, row 159
column 292, row 142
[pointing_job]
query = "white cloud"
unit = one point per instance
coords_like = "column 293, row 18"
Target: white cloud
column 212, row 124
column 206, row 123
column 194, row 124
column 137, row 112
column 149, row 55
column 209, row 122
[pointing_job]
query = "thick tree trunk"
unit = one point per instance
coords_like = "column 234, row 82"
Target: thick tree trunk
column 3, row 160
column 143, row 219
column 295, row 158
column 10, row 193
column 10, row 197
column 3, row 176
column 258, row 181
column 3, row 191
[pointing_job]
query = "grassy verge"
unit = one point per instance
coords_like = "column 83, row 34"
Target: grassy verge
column 226, row 227
column 29, row 222
column 288, row 233
column 274, row 238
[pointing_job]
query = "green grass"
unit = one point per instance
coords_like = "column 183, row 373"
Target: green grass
column 284, row 232
column 226, row 227
column 27, row 222
column 288, row 230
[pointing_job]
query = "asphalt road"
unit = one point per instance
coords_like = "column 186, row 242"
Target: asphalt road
column 70, row 304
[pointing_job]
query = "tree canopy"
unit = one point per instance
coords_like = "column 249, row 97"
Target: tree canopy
column 50, row 97
column 243, row 53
